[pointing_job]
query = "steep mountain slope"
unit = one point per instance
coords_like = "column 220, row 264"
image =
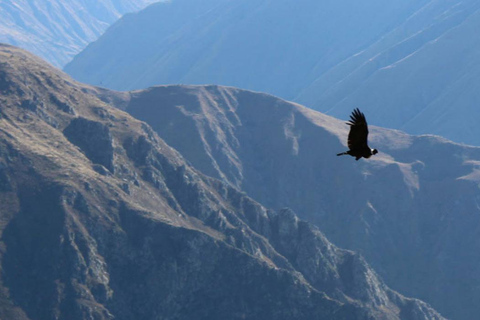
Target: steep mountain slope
column 58, row 30
column 422, row 77
column 100, row 219
column 412, row 210
column 278, row 47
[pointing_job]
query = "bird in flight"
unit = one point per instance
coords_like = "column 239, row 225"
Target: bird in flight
column 357, row 138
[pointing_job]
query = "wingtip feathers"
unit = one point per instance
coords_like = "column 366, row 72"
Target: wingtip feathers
column 356, row 117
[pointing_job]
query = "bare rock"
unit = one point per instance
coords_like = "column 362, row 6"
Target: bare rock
column 94, row 139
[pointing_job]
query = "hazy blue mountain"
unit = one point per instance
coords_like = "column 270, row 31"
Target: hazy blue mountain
column 423, row 77
column 412, row 210
column 101, row 219
column 58, row 30
column 278, row 47
column 413, row 65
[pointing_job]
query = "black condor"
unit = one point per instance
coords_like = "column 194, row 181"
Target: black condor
column 358, row 136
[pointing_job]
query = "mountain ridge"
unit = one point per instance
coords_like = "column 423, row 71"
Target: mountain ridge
column 111, row 222
column 409, row 221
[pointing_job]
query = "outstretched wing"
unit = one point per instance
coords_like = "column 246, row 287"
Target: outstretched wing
column 357, row 138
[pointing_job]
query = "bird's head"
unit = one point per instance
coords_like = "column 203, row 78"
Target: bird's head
column 374, row 151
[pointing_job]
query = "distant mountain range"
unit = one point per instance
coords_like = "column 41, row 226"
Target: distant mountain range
column 412, row 65
column 423, row 77
column 101, row 219
column 58, row 30
column 278, row 47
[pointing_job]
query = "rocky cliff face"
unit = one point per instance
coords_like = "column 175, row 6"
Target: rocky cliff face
column 101, row 219
column 411, row 210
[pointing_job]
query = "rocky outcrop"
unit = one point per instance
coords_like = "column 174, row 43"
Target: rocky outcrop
column 94, row 139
